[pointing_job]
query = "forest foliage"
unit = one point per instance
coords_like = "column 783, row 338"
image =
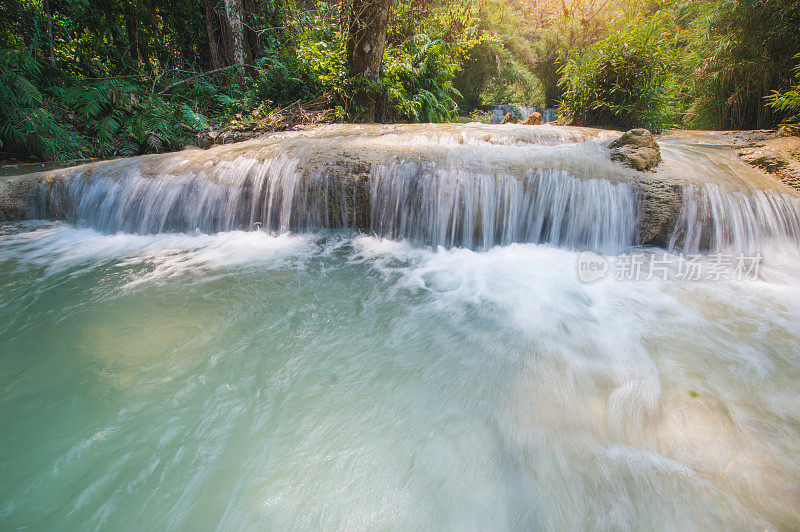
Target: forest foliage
column 106, row 78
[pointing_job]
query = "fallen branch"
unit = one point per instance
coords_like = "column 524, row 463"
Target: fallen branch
column 206, row 73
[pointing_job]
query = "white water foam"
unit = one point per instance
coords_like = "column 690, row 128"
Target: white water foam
column 57, row 248
column 675, row 370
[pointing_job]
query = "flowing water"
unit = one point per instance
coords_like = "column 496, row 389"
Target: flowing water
column 167, row 366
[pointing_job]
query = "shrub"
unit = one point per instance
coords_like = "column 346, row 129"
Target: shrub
column 788, row 101
column 747, row 52
column 417, row 80
column 622, row 81
column 484, row 117
column 27, row 124
column 119, row 118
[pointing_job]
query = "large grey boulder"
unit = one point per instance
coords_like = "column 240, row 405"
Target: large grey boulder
column 660, row 205
column 636, row 148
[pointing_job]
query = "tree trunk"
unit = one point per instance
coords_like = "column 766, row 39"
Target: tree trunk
column 366, row 38
column 213, row 34
column 138, row 45
column 367, row 25
column 250, row 9
column 231, row 41
column 234, row 12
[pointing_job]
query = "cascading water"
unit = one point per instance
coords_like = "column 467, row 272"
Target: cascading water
column 430, row 204
column 479, row 210
column 473, row 191
column 431, row 360
column 713, row 219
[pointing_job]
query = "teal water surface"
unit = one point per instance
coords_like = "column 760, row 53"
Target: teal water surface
column 250, row 381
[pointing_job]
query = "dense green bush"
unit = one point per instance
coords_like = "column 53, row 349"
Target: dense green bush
column 124, row 77
column 312, row 66
column 418, row 81
column 101, row 118
column 119, row 118
column 747, row 53
column 622, row 81
column 484, row 117
column 27, row 124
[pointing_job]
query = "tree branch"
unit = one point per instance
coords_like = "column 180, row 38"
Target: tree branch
column 206, row 73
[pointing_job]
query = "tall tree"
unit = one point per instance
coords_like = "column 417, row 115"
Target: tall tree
column 234, row 12
column 231, row 40
column 216, row 45
column 367, row 23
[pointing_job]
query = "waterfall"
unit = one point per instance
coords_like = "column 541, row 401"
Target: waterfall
column 419, row 202
column 473, row 186
column 714, row 219
column 477, row 210
column 499, row 111
column 446, row 206
column 237, row 194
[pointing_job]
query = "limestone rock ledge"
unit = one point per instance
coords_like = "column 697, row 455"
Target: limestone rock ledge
column 779, row 156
